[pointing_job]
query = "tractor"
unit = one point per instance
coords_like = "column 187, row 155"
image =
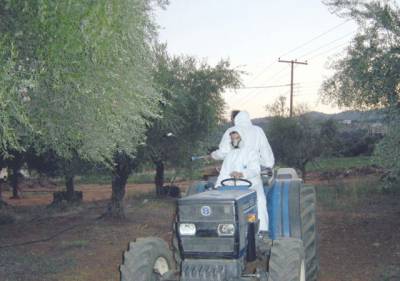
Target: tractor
column 216, row 238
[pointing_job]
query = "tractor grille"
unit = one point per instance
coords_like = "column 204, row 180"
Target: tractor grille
column 211, row 270
column 208, row 244
column 218, row 212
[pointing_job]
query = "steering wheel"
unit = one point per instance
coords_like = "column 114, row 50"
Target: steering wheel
column 249, row 184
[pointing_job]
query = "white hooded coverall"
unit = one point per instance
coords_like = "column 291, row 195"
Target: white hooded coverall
column 254, row 137
column 246, row 161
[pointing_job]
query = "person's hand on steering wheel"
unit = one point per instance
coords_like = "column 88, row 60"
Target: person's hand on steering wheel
column 236, row 175
column 225, row 182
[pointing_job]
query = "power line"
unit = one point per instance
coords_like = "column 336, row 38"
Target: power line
column 263, row 87
column 299, row 47
column 319, row 54
column 315, row 38
column 328, row 51
column 256, row 91
column 277, row 74
column 274, row 94
column 327, row 44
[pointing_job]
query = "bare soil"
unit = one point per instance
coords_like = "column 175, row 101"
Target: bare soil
column 72, row 244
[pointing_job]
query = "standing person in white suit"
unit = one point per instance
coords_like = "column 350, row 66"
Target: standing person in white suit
column 243, row 162
column 255, row 139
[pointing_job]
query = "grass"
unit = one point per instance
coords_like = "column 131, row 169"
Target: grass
column 143, row 177
column 390, row 273
column 75, row 244
column 339, row 163
column 15, row 264
column 345, row 193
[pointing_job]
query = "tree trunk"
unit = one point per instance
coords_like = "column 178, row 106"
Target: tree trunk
column 120, row 174
column 159, row 178
column 2, row 202
column 14, row 182
column 15, row 166
column 69, row 195
column 303, row 171
column 70, row 187
column 116, row 208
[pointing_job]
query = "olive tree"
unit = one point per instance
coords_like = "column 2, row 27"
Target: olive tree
column 368, row 76
column 77, row 78
column 191, row 108
column 296, row 140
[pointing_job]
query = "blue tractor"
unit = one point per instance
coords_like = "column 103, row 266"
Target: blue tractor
column 216, row 236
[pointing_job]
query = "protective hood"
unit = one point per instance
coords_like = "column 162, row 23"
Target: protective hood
column 242, row 135
column 242, row 119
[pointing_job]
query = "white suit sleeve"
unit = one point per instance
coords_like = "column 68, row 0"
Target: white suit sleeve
column 224, row 172
column 253, row 165
column 266, row 154
column 223, row 148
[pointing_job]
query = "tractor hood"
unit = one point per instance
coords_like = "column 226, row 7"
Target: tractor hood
column 218, row 196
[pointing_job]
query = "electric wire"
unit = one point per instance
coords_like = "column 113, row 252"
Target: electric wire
column 256, row 92
column 300, row 46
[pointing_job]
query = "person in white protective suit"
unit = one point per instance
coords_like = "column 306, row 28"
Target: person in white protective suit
column 244, row 162
column 255, row 139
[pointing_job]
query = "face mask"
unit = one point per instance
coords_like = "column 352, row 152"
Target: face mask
column 235, row 143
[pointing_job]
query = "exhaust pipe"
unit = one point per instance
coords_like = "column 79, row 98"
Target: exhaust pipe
column 251, row 243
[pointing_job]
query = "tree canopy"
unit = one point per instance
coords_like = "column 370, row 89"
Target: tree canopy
column 78, row 75
column 295, row 141
column 191, row 108
column 368, row 75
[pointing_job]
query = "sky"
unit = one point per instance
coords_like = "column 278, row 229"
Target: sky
column 253, row 35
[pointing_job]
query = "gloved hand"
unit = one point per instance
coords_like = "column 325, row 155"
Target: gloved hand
column 236, row 175
column 267, row 171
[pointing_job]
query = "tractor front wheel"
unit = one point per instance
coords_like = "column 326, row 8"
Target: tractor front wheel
column 286, row 262
column 147, row 259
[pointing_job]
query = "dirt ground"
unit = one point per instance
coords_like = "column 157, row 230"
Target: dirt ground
column 72, row 244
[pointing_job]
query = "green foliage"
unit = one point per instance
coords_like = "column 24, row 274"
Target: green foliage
column 192, row 106
column 356, row 142
column 387, row 153
column 13, row 117
column 368, row 75
column 329, row 137
column 342, row 194
column 88, row 65
column 278, row 108
column 332, row 164
column 294, row 141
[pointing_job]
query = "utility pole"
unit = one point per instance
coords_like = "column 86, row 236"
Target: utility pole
column 292, row 62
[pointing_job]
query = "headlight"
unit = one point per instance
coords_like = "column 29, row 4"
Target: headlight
column 187, row 229
column 226, row 229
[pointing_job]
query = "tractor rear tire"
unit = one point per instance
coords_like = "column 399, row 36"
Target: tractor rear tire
column 309, row 231
column 147, row 259
column 287, row 262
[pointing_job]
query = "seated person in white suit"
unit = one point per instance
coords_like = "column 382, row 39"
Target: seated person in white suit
column 243, row 162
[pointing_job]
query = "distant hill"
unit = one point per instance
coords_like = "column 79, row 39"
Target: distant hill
column 353, row 115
